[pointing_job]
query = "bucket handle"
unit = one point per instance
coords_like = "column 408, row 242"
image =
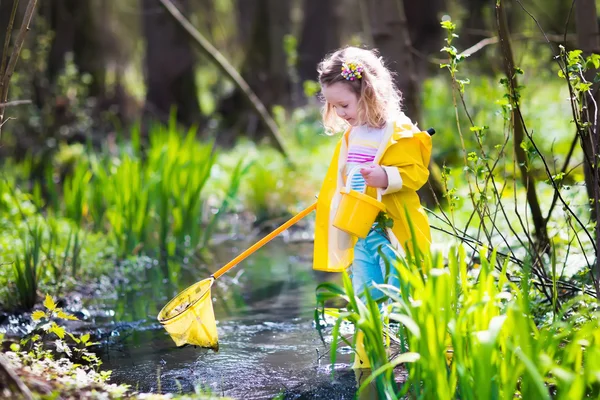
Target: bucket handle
column 352, row 173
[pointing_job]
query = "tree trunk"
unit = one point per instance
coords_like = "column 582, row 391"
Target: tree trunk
column 264, row 67
column 320, row 35
column 91, row 32
column 391, row 34
column 59, row 14
column 170, row 61
column 423, row 22
column 400, row 29
column 475, row 25
column 81, row 28
column 527, row 178
column 391, row 37
column 90, row 50
column 279, row 18
column 588, row 41
column 5, row 11
column 209, row 51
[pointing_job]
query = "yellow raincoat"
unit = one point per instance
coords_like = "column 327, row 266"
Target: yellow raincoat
column 404, row 154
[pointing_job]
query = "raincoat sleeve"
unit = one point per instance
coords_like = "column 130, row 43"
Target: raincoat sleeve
column 406, row 162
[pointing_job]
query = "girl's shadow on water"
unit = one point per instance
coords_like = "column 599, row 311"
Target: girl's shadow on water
column 344, row 386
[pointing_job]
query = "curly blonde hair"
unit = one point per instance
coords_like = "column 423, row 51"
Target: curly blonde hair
column 378, row 97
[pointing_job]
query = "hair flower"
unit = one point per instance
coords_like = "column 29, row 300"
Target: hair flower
column 352, row 71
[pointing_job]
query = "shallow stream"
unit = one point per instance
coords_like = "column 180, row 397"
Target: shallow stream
column 268, row 344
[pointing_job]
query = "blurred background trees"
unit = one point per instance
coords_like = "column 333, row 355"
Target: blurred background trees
column 92, row 66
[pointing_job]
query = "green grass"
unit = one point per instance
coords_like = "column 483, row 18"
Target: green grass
column 141, row 197
column 28, row 268
column 150, row 200
column 469, row 333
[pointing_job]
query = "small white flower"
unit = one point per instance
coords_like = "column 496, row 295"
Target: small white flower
column 62, row 347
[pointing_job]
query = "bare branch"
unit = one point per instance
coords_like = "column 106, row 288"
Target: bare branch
column 479, row 45
column 14, row 103
column 5, row 121
column 483, row 43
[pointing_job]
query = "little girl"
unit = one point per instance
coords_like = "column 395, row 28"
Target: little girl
column 360, row 93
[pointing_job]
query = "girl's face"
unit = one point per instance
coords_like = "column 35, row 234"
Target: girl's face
column 343, row 100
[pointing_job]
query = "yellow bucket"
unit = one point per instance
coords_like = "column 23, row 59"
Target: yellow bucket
column 357, row 212
column 189, row 317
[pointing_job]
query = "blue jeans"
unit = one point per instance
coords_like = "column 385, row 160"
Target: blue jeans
column 369, row 267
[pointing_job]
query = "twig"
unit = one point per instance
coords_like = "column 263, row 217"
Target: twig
column 479, row 45
column 563, row 171
column 483, row 43
column 544, row 280
column 14, row 103
column 3, row 122
column 490, row 176
column 563, row 201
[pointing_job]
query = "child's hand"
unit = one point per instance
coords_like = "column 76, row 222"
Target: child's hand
column 375, row 176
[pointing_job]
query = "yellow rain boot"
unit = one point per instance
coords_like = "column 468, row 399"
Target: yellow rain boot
column 360, row 356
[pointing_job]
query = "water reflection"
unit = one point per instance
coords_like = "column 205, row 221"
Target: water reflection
column 268, row 345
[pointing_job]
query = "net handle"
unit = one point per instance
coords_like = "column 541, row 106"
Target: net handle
column 264, row 241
